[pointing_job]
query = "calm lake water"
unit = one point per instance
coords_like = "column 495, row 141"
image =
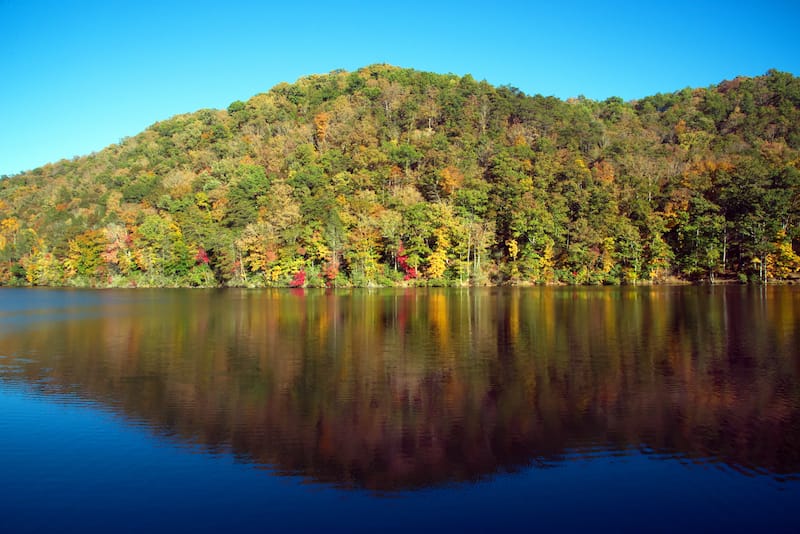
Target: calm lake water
column 619, row 409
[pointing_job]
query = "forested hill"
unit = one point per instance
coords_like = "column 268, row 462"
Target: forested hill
column 392, row 176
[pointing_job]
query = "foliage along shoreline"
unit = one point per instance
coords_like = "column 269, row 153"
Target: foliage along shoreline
column 394, row 177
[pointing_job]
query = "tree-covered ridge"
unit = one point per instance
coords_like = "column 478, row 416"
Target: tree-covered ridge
column 393, row 176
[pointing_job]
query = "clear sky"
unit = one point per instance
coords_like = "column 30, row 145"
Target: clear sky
column 76, row 76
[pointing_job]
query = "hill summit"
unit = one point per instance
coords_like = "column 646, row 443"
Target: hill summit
column 390, row 176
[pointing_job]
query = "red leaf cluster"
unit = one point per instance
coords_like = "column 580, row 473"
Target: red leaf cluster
column 201, row 256
column 299, row 279
column 402, row 260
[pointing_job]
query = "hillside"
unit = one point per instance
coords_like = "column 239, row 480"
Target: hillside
column 391, row 176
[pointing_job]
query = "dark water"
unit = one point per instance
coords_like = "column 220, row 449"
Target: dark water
column 624, row 409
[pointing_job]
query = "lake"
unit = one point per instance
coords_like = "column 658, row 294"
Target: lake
column 616, row 409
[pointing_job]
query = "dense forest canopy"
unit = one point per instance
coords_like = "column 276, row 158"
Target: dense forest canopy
column 390, row 176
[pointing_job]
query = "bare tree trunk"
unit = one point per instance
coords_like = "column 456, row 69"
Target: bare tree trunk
column 724, row 251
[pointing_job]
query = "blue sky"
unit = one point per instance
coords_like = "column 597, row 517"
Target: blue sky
column 76, row 76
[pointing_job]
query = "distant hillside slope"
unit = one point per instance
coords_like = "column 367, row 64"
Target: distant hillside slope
column 391, row 176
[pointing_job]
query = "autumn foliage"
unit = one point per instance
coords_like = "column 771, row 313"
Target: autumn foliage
column 298, row 280
column 480, row 184
column 409, row 272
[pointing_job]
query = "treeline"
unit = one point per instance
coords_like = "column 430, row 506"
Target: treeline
column 390, row 176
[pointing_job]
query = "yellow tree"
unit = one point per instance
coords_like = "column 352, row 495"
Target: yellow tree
column 84, row 255
column 8, row 232
column 783, row 261
column 321, row 121
column 438, row 260
column 257, row 247
column 40, row 266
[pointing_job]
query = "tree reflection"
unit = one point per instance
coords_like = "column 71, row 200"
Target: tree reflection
column 401, row 389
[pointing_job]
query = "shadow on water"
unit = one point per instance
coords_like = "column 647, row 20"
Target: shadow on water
column 399, row 389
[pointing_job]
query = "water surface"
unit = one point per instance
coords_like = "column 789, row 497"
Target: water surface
column 558, row 408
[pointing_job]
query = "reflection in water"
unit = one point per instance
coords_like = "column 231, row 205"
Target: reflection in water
column 407, row 388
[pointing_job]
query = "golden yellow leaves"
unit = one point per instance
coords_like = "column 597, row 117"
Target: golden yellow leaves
column 8, row 231
column 783, row 261
column 451, row 179
column 321, row 121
